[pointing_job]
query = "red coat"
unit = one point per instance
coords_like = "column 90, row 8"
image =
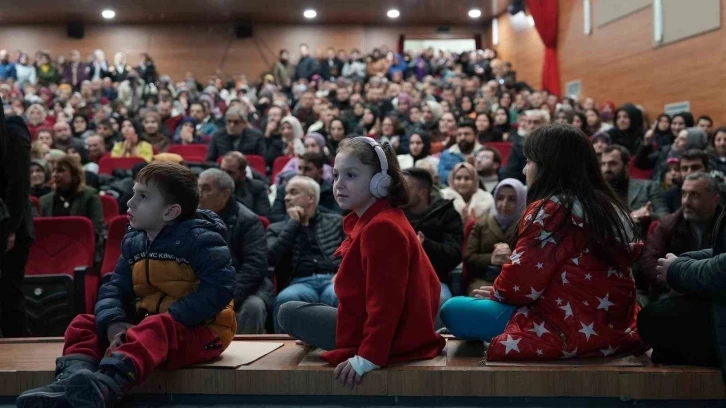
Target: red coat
column 387, row 290
column 572, row 305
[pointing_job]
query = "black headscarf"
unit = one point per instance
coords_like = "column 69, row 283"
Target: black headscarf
column 426, row 138
column 631, row 137
column 663, row 138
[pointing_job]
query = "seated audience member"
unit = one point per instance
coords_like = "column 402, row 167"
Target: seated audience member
column 419, row 149
column 132, row 146
column 40, row 180
column 490, row 243
column 686, row 328
column 110, row 136
column 649, row 156
column 302, row 247
column 642, row 197
column 247, row 244
column 38, row 150
column 437, row 224
column 688, row 229
column 88, row 166
column 45, row 136
column 673, row 175
column 531, row 120
column 338, row 133
column 662, row 134
column 36, row 118
column 205, row 125
column 152, row 132
column 488, row 163
column 71, row 196
column 312, row 143
column 692, row 161
column 567, row 291
column 485, row 132
column 310, row 165
column 470, row 201
column 600, row 141
column 465, row 149
column 96, row 148
column 717, row 150
column 249, row 191
column 238, row 135
column 186, row 133
column 63, row 138
column 705, row 123
column 595, row 123
column 292, row 136
column 628, row 130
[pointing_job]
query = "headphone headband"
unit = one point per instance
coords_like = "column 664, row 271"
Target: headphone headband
column 379, row 152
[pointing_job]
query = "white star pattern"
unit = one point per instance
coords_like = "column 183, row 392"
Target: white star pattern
column 497, row 295
column 605, row 303
column 540, row 265
column 540, row 352
column 588, row 276
column 524, row 310
column 516, row 257
column 612, row 271
column 587, row 250
column 510, row 344
column 559, row 301
column 608, row 351
column 587, row 330
column 539, row 329
column 629, row 331
column 577, row 224
column 611, row 326
column 564, row 278
column 568, row 310
column 576, row 261
column 528, row 217
column 534, row 294
column 541, row 216
column 546, row 237
column 516, row 288
column 566, row 354
column 586, row 303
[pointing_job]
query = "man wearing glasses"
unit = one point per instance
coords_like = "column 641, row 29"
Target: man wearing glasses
column 237, row 135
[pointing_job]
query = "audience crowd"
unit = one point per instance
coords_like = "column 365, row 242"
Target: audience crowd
column 458, row 123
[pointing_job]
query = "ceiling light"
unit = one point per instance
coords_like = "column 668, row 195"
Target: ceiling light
column 474, row 13
column 108, row 14
column 310, row 13
column 393, row 13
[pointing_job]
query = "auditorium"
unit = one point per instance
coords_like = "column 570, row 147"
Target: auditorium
column 386, row 203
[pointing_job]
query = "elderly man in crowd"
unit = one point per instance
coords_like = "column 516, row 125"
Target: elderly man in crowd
column 302, row 248
column 249, row 191
column 246, row 241
column 238, row 135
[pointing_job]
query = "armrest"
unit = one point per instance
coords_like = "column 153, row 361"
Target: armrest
column 79, row 280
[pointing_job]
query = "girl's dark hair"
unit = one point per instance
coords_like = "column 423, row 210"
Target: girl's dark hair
column 361, row 150
column 397, row 129
column 568, row 168
column 136, row 125
column 583, row 121
column 687, row 118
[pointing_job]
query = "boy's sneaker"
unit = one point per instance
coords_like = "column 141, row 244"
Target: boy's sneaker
column 53, row 395
column 103, row 388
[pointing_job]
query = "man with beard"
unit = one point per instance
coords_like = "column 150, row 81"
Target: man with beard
column 528, row 123
column 692, row 161
column 642, row 197
column 465, row 149
column 283, row 70
column 488, row 163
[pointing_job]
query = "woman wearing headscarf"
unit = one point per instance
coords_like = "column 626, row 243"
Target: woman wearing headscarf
column 485, row 133
column 628, row 129
column 153, row 134
column 662, row 134
column 492, row 238
column 186, row 132
column 419, row 148
column 680, row 121
column 691, row 138
column 470, row 201
column 313, row 142
column 40, row 180
column 292, row 135
column 80, row 128
column 502, row 123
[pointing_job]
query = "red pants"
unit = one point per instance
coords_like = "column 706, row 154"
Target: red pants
column 158, row 341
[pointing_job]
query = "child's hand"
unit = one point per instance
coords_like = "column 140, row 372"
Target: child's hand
column 345, row 373
column 116, row 333
column 484, row 292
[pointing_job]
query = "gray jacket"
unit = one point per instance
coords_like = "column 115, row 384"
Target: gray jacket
column 642, row 191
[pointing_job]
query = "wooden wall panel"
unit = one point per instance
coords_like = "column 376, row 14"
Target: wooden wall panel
column 520, row 44
column 204, row 48
column 618, row 62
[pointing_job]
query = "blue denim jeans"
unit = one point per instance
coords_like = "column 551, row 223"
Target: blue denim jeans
column 470, row 318
column 311, row 289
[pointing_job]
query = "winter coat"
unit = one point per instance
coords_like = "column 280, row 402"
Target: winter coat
column 387, row 290
column 283, row 254
column 248, row 247
column 480, row 204
column 701, row 274
column 451, row 157
column 15, row 179
column 571, row 304
column 250, row 141
column 253, row 194
column 306, row 68
column 443, row 237
column 480, row 245
column 283, row 74
column 642, row 191
column 327, row 203
column 27, row 74
column 144, row 150
column 185, row 271
column 355, row 70
column 84, row 204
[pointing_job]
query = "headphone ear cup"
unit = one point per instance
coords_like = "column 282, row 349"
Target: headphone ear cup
column 383, row 185
column 375, row 182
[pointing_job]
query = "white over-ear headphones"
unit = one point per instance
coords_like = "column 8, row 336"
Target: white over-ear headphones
column 381, row 181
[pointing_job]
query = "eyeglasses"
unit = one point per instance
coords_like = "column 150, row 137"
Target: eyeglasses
column 234, row 121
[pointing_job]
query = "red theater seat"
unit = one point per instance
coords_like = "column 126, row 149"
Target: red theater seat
column 279, row 164
column 116, row 231
column 58, row 273
column 504, row 149
column 110, row 207
column 257, row 163
column 36, row 202
column 636, row 173
column 108, row 164
column 191, row 153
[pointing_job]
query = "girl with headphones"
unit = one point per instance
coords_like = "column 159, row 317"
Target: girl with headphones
column 387, row 289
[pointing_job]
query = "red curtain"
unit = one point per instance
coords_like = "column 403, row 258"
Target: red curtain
column 545, row 13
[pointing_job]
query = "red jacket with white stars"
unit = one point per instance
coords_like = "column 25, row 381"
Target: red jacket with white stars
column 571, row 304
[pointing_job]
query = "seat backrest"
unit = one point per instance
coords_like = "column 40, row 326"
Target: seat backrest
column 279, row 164
column 257, row 163
column 110, row 207
column 61, row 245
column 504, row 149
column 108, row 164
column 636, row 173
column 117, row 229
column 190, row 152
column 36, row 202
column 651, row 228
column 265, row 221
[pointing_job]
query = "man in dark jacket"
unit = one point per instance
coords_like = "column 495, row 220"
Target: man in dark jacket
column 689, row 229
column 692, row 161
column 690, row 326
column 246, row 240
column 437, row 224
column 530, row 120
column 307, row 66
column 17, row 232
column 249, row 191
column 302, row 248
column 310, row 165
column 238, row 135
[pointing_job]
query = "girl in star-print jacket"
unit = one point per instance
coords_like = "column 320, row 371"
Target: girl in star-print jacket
column 568, row 290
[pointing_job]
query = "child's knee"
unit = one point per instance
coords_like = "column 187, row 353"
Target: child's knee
column 451, row 310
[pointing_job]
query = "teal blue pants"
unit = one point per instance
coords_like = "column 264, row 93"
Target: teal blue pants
column 470, row 318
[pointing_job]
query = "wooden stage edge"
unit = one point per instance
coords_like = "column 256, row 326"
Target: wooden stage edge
column 29, row 363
